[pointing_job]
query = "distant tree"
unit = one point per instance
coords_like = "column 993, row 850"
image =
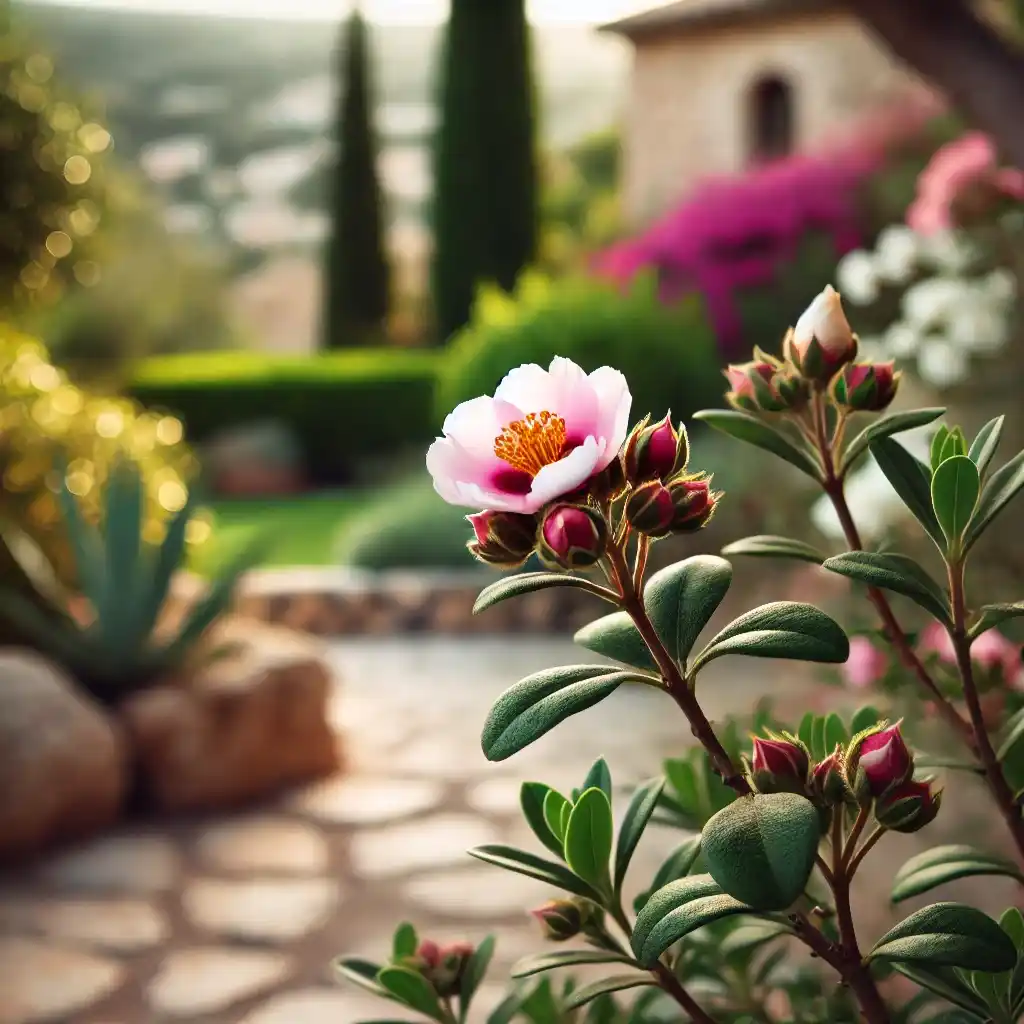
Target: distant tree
column 356, row 273
column 485, row 168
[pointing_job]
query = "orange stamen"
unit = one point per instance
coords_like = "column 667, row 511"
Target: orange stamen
column 532, row 443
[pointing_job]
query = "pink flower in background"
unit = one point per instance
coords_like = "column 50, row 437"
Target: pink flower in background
column 991, row 651
column 866, row 665
column 935, row 640
column 970, row 162
column 542, row 435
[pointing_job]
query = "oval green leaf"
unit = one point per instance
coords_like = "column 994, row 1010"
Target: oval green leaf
column 675, row 911
column 997, row 493
column 955, row 489
column 744, row 427
column 540, row 962
column 599, row 776
column 677, row 865
column 784, row 629
column 944, row 864
column 616, row 983
column 360, row 972
column 911, row 480
column 473, row 974
column 531, row 799
column 992, row 614
column 948, row 935
column 761, row 849
column 638, row 814
column 770, row 546
column 413, row 990
column 886, row 427
column 615, row 636
column 681, row 599
column 556, row 810
column 405, row 942
column 528, row 583
column 898, row 573
column 589, row 837
column 983, row 447
column 536, row 704
column 547, row 871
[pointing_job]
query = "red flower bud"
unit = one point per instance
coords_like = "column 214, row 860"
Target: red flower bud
column 694, row 504
column 908, row 806
column 882, row 759
column 866, row 387
column 657, row 452
column 559, row 920
column 779, row 764
column 429, row 952
column 828, row 781
column 502, row 539
column 650, row 509
column 608, row 484
column 572, row 537
column 822, row 341
column 752, row 387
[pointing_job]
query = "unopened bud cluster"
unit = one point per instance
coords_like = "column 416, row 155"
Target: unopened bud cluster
column 876, row 770
column 819, row 354
column 564, row 919
column 442, row 966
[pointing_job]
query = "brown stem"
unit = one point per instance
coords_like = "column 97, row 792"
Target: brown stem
column 891, row 627
column 997, row 783
column 672, row 985
column 855, row 860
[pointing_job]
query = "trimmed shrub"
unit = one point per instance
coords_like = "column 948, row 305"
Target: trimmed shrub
column 667, row 352
column 343, row 406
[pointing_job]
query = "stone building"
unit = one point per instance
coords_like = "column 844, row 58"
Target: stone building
column 719, row 85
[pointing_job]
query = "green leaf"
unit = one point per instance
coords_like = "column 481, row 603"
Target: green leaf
column 886, row 427
column 818, row 738
column 805, row 731
column 955, row 444
column 405, row 942
column 473, row 974
column 864, row 718
column 615, row 636
column 944, row 982
column 548, row 871
column 677, row 865
column 984, row 446
column 997, row 493
column 911, row 480
column 538, row 963
column 751, row 935
column 943, row 864
column 536, row 704
column 589, row 838
column 898, row 573
column 993, row 614
column 122, row 533
column 675, row 911
column 761, row 848
column 834, row 734
column 616, row 983
column 556, row 808
column 681, row 599
column 1012, row 922
column 770, row 546
column 948, row 935
column 955, row 489
column 86, row 548
column 506, row 1010
column 784, row 629
column 937, row 446
column 526, row 583
column 531, row 799
column 360, row 972
column 600, row 777
column 412, row 989
column 638, row 814
column 745, row 427
column 1014, row 734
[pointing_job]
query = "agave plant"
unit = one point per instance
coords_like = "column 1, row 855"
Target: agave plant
column 117, row 648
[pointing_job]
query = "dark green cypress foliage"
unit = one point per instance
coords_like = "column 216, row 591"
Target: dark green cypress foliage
column 356, row 274
column 485, row 174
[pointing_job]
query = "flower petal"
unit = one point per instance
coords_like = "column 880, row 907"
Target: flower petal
column 566, row 475
column 529, row 387
column 615, row 402
column 476, row 423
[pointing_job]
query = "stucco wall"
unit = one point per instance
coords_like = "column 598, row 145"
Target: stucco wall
column 688, row 109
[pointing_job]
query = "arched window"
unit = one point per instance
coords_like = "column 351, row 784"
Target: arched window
column 771, row 119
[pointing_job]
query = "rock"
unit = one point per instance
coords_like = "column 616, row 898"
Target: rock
column 62, row 761
column 264, row 845
column 320, row 1006
column 249, row 723
column 474, row 893
column 367, row 801
column 127, row 863
column 193, row 982
column 121, row 926
column 41, row 982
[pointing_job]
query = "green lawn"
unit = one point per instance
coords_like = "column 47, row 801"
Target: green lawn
column 300, row 530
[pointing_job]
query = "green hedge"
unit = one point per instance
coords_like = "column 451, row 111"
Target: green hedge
column 344, row 407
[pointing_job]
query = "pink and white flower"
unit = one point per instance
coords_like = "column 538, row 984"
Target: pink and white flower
column 544, row 434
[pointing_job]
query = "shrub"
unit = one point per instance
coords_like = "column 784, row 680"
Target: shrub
column 343, row 406
column 667, row 352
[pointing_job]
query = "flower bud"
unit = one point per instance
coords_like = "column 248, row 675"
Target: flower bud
column 650, row 509
column 752, row 387
column 822, row 341
column 779, row 765
column 429, row 953
column 609, row 483
column 877, row 761
column 828, row 780
column 572, row 537
column 694, row 503
column 503, row 539
column 446, row 975
column 560, row 920
column 865, row 387
column 908, row 806
column 656, row 452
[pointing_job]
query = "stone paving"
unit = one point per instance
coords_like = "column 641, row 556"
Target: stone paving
column 235, row 919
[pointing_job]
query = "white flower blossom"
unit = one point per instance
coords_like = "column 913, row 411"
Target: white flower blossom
column 901, row 340
column 897, row 253
column 978, row 327
column 941, row 363
column 857, row 278
column 949, row 251
column 1000, row 286
column 928, row 303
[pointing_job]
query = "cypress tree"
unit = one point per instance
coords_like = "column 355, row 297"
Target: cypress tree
column 485, row 174
column 356, row 274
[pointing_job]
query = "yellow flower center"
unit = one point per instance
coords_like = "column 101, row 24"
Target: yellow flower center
column 532, row 443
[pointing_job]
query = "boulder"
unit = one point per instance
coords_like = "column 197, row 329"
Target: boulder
column 63, row 762
column 252, row 720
